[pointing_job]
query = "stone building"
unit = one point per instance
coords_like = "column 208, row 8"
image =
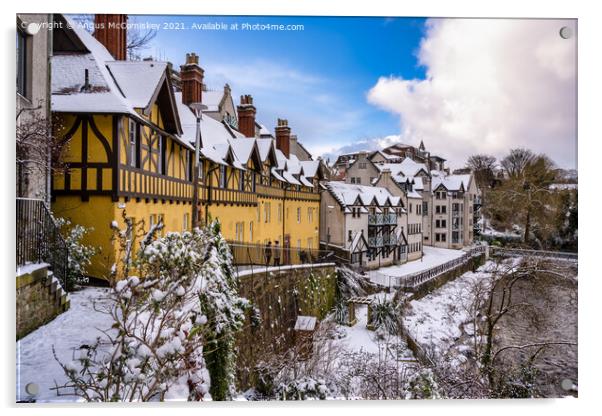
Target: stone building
column 368, row 224
column 33, row 104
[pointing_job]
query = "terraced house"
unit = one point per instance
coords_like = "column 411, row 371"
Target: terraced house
column 442, row 208
column 131, row 135
column 366, row 224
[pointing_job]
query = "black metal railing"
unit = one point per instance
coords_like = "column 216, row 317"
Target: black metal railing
column 39, row 239
column 246, row 254
column 413, row 280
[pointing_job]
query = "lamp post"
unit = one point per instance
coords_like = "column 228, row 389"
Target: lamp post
column 197, row 109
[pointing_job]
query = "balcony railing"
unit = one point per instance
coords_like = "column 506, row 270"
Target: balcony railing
column 390, row 240
column 382, row 219
column 375, row 241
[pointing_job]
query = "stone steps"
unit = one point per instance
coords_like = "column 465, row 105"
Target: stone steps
column 61, row 297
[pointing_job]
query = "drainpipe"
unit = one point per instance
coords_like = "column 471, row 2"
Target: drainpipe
column 49, row 45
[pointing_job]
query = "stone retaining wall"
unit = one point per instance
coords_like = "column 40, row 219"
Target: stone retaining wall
column 427, row 287
column 39, row 299
column 280, row 294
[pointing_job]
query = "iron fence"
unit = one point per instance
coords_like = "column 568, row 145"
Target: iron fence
column 39, row 239
column 413, row 280
column 246, row 254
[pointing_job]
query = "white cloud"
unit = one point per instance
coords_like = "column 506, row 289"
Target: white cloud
column 312, row 104
column 491, row 85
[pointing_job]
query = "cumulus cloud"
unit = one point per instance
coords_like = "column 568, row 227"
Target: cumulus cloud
column 491, row 85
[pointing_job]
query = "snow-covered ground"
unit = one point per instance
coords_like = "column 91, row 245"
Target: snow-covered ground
column 359, row 338
column 433, row 256
column 435, row 319
column 78, row 326
column 438, row 320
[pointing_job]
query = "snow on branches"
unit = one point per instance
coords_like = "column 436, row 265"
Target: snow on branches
column 173, row 296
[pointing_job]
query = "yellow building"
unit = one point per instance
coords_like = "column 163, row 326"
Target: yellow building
column 131, row 134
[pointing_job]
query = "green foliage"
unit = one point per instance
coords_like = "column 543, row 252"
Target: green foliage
column 516, row 382
column 341, row 313
column 386, row 315
column 422, row 385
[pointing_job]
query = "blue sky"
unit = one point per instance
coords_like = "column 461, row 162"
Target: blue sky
column 464, row 86
column 317, row 78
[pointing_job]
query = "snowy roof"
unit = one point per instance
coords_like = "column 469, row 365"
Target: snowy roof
column 112, row 87
column 263, row 131
column 243, row 148
column 216, row 137
column 385, row 155
column 293, row 165
column 347, row 194
column 290, row 178
column 451, row 182
column 135, row 78
column 414, row 195
column 281, row 159
column 68, row 79
column 305, row 182
column 305, row 323
column 264, row 146
column 212, row 99
column 310, row 167
column 407, row 167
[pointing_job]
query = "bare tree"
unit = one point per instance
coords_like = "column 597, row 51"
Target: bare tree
column 517, row 161
column 483, row 167
column 494, row 298
column 38, row 151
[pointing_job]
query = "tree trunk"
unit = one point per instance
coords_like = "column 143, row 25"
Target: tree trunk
column 527, row 226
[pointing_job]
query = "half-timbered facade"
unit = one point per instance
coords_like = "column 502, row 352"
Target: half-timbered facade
column 131, row 135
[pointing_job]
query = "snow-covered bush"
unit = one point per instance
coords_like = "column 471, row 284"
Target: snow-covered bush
column 79, row 254
column 372, row 376
column 351, row 283
column 226, row 312
column 303, row 389
column 154, row 349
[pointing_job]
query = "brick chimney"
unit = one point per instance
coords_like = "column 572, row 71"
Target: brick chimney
column 111, row 31
column 283, row 137
column 246, row 116
column 191, row 76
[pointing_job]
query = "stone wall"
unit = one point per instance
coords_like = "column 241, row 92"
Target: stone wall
column 280, row 296
column 40, row 299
